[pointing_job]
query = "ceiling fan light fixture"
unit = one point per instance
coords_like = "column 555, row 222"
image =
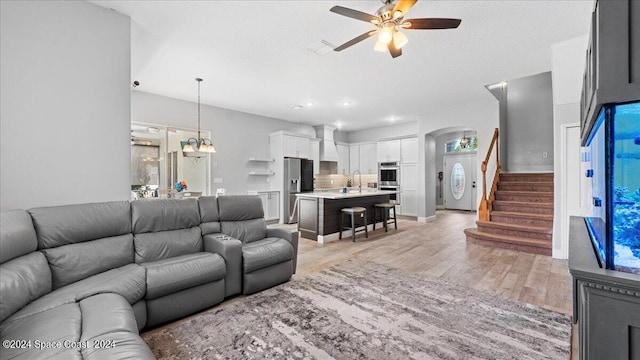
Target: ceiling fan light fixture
column 399, row 40
column 397, row 15
column 380, row 46
column 386, row 34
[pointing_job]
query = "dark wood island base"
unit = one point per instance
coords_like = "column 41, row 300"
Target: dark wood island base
column 319, row 213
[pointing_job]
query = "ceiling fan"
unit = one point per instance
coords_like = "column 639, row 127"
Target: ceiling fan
column 387, row 19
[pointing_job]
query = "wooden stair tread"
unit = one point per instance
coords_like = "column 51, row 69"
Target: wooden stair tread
column 546, row 183
column 523, row 215
column 524, row 192
column 525, row 203
column 508, row 239
column 518, row 227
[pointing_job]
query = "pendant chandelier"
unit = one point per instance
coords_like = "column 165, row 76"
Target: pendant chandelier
column 464, row 141
column 201, row 144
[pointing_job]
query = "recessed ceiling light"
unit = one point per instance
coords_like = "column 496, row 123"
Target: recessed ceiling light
column 346, row 103
column 392, row 119
column 339, row 125
column 309, row 103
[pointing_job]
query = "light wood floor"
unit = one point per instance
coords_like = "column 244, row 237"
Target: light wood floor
column 438, row 249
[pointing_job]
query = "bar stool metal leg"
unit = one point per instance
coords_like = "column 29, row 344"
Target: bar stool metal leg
column 353, row 228
column 366, row 226
column 395, row 217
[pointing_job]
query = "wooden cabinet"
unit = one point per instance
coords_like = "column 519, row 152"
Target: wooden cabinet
column 270, row 205
column 314, row 146
column 343, row 159
column 388, row 150
column 612, row 74
column 368, row 158
column 354, row 158
column 409, row 150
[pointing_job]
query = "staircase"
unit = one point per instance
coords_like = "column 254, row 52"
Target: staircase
column 521, row 216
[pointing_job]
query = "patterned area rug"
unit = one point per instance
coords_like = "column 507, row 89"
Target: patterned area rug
column 363, row 310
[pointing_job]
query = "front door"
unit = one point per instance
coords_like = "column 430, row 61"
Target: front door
column 459, row 181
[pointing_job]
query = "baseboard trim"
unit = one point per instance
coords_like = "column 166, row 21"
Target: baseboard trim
column 425, row 219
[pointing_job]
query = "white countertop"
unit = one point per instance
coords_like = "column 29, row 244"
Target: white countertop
column 350, row 194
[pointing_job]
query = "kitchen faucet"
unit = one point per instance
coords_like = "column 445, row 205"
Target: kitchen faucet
column 359, row 179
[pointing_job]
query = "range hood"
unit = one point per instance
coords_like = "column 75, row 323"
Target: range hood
column 328, row 150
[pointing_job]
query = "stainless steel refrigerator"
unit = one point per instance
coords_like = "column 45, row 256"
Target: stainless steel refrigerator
column 298, row 178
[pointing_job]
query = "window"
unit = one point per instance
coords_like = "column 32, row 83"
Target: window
column 454, row 145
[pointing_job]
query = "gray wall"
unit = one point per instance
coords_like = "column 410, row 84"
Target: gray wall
column 529, row 124
column 385, row 132
column 65, row 94
column 237, row 136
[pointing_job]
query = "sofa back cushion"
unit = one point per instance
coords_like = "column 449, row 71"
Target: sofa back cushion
column 24, row 273
column 71, row 224
column 17, row 235
column 82, row 240
column 242, row 217
column 164, row 228
column 23, row 280
column 209, row 217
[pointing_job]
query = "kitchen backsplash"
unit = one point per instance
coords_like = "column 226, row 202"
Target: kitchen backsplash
column 338, row 181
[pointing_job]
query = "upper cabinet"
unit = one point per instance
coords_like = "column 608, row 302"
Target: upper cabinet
column 368, row 158
column 354, row 158
column 314, row 154
column 295, row 146
column 612, row 73
column 409, row 150
column 343, row 158
column 388, row 150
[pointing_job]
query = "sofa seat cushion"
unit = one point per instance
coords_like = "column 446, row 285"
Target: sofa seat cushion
column 263, row 253
column 103, row 314
column 128, row 281
column 171, row 275
column 60, row 324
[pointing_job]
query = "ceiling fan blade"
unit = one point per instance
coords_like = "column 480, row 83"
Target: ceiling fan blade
column 395, row 52
column 432, row 23
column 354, row 14
column 404, row 6
column 356, row 40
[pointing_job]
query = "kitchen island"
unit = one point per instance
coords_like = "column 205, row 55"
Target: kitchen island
column 319, row 212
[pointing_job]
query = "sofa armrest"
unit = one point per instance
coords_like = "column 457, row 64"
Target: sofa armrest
column 290, row 236
column 231, row 251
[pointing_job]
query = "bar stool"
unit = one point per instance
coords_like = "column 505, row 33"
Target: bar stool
column 362, row 212
column 385, row 207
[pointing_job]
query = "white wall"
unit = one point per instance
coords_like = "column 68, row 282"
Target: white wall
column 65, row 94
column 236, row 136
column 483, row 116
column 385, row 132
column 568, row 62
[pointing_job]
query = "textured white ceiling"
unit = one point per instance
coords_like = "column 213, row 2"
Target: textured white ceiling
column 253, row 55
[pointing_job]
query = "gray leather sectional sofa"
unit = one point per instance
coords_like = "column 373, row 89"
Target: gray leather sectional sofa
column 80, row 281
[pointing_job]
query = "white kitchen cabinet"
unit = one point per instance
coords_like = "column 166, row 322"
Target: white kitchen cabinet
column 270, row 205
column 354, row 158
column 295, row 146
column 314, row 149
column 343, row 159
column 388, row 150
column 409, row 203
column 368, row 158
column 409, row 150
column 409, row 189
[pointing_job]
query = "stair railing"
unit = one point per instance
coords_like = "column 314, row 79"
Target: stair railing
column 487, row 201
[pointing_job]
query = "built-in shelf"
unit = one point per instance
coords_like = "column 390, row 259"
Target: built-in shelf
column 261, row 159
column 261, row 173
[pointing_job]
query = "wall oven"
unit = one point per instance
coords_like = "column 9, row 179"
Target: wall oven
column 389, row 174
column 394, row 198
